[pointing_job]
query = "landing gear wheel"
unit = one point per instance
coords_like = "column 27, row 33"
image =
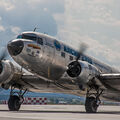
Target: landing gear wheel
column 14, row 103
column 91, row 105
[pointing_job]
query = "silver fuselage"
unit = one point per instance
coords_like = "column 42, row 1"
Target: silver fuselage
column 50, row 60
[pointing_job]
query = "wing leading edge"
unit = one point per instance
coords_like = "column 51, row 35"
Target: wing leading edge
column 111, row 76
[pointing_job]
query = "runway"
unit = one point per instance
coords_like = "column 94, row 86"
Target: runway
column 59, row 112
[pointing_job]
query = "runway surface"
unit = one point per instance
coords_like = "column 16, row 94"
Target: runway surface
column 59, row 112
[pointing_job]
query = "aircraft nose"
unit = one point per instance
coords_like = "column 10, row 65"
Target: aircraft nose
column 15, row 47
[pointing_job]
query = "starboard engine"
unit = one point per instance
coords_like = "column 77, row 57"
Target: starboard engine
column 82, row 71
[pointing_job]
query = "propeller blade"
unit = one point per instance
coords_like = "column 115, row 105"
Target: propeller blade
column 83, row 48
column 4, row 54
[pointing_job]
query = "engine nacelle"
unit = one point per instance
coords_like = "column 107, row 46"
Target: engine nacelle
column 7, row 71
column 82, row 71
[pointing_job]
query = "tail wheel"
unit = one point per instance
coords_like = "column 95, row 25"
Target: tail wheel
column 91, row 105
column 14, row 103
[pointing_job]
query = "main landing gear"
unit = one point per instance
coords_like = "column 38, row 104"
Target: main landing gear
column 16, row 99
column 92, row 100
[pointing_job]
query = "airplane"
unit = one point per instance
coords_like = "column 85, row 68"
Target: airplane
column 56, row 68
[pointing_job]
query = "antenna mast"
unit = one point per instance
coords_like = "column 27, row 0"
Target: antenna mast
column 34, row 29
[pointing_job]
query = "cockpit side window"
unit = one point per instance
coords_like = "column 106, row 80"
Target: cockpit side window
column 40, row 41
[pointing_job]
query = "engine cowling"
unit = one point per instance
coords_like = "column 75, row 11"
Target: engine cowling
column 7, row 71
column 82, row 71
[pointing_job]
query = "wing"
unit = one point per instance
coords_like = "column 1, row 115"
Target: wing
column 110, row 81
column 111, row 76
column 10, row 74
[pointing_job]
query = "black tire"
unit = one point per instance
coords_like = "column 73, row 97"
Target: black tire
column 91, row 105
column 14, row 103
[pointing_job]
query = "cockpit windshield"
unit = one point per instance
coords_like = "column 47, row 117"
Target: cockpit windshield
column 27, row 36
column 33, row 37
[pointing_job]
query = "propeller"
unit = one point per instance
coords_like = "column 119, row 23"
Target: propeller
column 3, row 54
column 82, row 50
column 74, row 67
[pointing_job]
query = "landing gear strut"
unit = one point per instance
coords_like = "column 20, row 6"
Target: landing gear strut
column 92, row 100
column 16, row 99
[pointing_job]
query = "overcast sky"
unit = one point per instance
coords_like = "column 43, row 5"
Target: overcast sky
column 95, row 22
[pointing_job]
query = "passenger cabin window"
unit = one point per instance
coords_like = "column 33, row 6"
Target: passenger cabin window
column 71, row 58
column 40, row 41
column 63, row 54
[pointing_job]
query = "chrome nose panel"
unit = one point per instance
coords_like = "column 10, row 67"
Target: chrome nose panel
column 15, row 47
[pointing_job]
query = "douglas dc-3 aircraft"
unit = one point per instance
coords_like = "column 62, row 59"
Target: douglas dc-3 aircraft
column 56, row 67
